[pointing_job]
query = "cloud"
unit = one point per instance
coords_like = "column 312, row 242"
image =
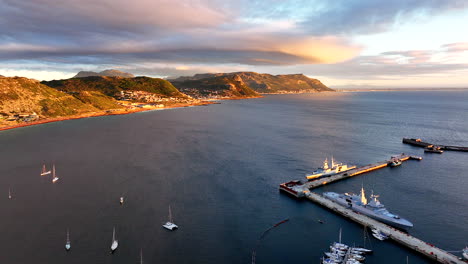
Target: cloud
column 370, row 16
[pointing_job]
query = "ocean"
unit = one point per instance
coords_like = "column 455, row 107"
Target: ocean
column 219, row 167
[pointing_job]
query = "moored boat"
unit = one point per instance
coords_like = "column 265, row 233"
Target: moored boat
column 327, row 170
column 373, row 209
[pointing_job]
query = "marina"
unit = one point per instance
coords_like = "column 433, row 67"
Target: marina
column 302, row 190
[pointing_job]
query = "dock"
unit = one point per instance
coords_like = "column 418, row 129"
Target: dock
column 419, row 143
column 303, row 190
column 357, row 171
column 398, row 236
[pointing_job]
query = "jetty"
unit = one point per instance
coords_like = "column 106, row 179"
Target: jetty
column 419, row 143
column 360, row 170
column 396, row 235
column 303, row 190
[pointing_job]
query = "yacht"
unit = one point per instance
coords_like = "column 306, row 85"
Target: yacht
column 68, row 243
column 54, row 176
column 44, row 171
column 115, row 243
column 169, row 224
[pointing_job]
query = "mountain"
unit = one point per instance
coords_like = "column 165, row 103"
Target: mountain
column 264, row 83
column 22, row 95
column 113, row 86
column 231, row 86
column 110, row 73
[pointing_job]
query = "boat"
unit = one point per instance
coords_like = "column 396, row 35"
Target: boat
column 379, row 234
column 295, row 188
column 433, row 149
column 121, row 200
column 9, row 193
column 54, row 176
column 395, row 163
column 141, row 256
column 327, row 170
column 115, row 243
column 68, row 243
column 44, row 171
column 465, row 253
column 169, row 224
column 373, row 209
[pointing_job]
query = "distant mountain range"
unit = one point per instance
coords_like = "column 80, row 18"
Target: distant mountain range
column 260, row 83
column 110, row 73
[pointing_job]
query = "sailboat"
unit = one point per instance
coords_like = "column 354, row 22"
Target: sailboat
column 54, row 177
column 141, row 256
column 115, row 243
column 68, row 243
column 121, row 200
column 9, row 193
column 44, row 171
column 169, row 224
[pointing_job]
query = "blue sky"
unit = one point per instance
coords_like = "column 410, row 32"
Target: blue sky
column 345, row 43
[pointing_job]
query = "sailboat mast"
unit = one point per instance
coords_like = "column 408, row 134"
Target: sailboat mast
column 170, row 214
column 113, row 235
column 339, row 237
column 141, row 256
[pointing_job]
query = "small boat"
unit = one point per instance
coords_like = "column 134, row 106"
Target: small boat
column 379, row 234
column 44, row 171
column 115, row 243
column 320, row 221
column 68, row 243
column 363, row 250
column 54, row 176
column 169, row 224
column 465, row 253
column 121, row 200
column 9, row 193
column 395, row 163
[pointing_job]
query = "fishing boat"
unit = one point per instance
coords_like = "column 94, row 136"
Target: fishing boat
column 115, row 243
column 44, row 171
column 68, row 243
column 121, row 200
column 54, row 176
column 170, row 224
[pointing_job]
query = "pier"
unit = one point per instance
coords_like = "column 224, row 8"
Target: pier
column 357, row 171
column 299, row 190
column 419, row 143
column 398, row 236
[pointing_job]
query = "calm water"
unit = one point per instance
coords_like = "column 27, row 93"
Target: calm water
column 219, row 167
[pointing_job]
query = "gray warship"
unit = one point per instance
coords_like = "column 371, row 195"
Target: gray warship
column 373, row 209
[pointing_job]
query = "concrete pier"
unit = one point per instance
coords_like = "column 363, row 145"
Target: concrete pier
column 398, row 236
column 419, row 143
column 357, row 171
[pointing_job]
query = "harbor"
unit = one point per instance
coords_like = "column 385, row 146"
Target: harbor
column 303, row 190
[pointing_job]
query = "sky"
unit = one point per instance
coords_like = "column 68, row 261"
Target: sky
column 344, row 43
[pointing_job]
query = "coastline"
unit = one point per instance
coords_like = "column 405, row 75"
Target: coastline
column 120, row 111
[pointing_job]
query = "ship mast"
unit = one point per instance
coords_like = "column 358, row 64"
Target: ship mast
column 363, row 196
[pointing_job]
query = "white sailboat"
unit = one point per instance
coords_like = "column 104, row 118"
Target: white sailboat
column 9, row 193
column 68, row 243
column 115, row 243
column 169, row 224
column 141, row 256
column 54, row 176
column 44, row 171
column 121, row 200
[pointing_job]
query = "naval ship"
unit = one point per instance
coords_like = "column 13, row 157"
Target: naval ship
column 327, row 170
column 373, row 209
